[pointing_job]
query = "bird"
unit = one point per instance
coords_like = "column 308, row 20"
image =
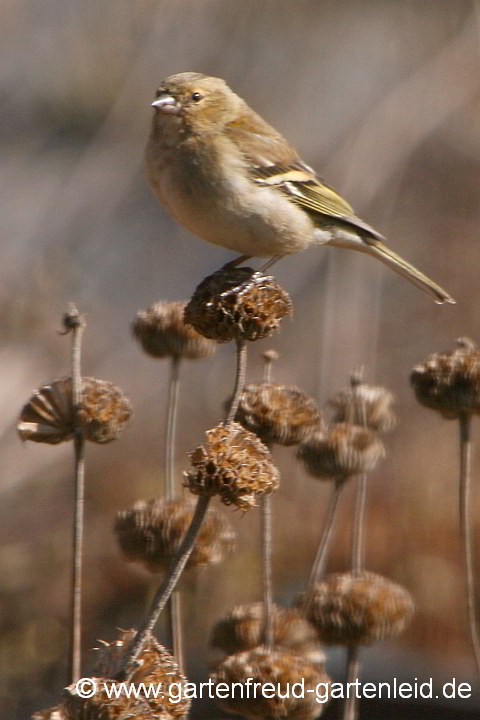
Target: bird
column 230, row 178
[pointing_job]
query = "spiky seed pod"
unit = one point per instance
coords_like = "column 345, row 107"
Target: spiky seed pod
column 371, row 404
column 48, row 415
column 341, row 451
column 155, row 666
column 242, row 629
column 277, row 671
column 52, row 713
column 233, row 464
column 162, row 332
column 277, row 413
column 449, row 382
column 357, row 608
column 151, row 533
column 237, row 304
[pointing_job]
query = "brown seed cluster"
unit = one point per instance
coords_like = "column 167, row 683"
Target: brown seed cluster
column 233, row 464
column 154, row 666
column 243, row 629
column 357, row 609
column 449, row 382
column 48, row 415
column 277, row 413
column 280, row 669
column 162, row 332
column 341, row 451
column 237, row 304
column 363, row 404
column 151, row 533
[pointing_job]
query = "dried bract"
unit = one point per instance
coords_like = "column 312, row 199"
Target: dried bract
column 243, row 629
column 449, row 382
column 363, row 404
column 237, row 304
column 341, row 451
column 277, row 413
column 154, row 667
column 48, row 415
column 151, row 533
column 357, row 609
column 278, row 670
column 233, row 464
column 162, row 332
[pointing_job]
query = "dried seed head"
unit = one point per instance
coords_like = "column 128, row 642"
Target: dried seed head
column 151, row 533
column 363, row 404
column 237, row 304
column 280, row 668
column 357, row 609
column 341, row 451
column 234, row 464
column 449, row 382
column 48, row 415
column 52, row 713
column 277, row 413
column 154, row 666
column 243, row 629
column 162, row 332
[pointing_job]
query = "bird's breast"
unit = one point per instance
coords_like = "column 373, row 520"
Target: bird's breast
column 224, row 206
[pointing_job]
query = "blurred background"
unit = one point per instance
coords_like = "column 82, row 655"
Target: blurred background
column 383, row 99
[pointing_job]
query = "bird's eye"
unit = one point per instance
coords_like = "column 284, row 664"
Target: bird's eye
column 196, row 96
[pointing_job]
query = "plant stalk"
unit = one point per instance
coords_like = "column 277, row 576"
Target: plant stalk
column 239, row 380
column 75, row 324
column 350, row 708
column 466, row 529
column 266, row 519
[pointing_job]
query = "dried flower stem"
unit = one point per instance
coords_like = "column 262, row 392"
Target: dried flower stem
column 466, row 528
column 266, row 519
column 239, row 380
column 166, row 588
column 175, row 602
column 171, row 427
column 75, row 323
column 318, row 566
column 358, row 532
column 350, row 709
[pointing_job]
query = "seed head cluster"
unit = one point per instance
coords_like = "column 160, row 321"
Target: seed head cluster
column 152, row 531
column 243, row 629
column 363, row 404
column 234, row 464
column 277, row 413
column 162, row 332
column 48, row 416
column 449, row 382
column 357, row 608
column 279, row 667
column 237, row 304
column 341, row 451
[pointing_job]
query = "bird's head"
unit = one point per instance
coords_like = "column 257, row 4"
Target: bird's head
column 198, row 101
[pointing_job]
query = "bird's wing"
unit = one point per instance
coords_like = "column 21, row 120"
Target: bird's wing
column 273, row 162
column 300, row 183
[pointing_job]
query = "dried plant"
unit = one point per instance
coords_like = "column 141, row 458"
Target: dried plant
column 356, row 608
column 237, row 304
column 280, row 668
column 277, row 413
column 151, row 533
column 233, row 464
column 162, row 332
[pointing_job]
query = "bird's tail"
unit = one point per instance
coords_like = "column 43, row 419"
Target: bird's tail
column 382, row 252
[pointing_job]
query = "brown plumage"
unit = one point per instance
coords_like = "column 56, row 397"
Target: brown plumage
column 233, row 180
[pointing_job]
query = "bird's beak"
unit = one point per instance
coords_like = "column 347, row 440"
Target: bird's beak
column 166, row 104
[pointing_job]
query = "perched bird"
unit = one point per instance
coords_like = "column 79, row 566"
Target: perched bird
column 233, row 180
